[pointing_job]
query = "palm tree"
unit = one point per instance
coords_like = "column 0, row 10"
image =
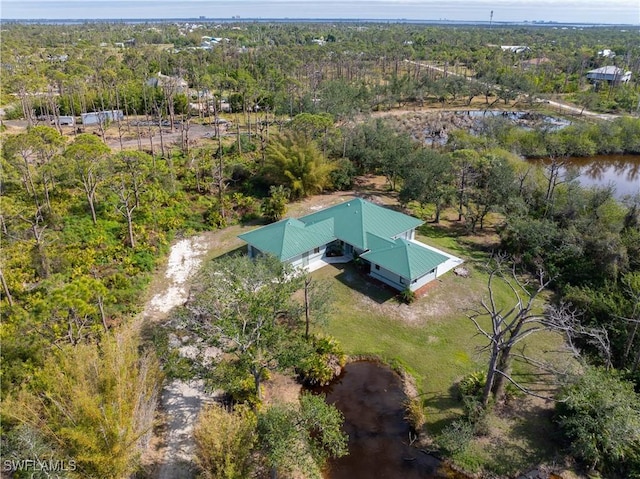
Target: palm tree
column 298, row 164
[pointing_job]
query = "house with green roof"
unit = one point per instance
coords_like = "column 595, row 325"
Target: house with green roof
column 384, row 239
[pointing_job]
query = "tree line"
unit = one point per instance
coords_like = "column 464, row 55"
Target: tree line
column 64, row 70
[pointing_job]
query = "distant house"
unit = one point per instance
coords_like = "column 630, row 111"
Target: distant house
column 58, row 58
column 179, row 85
column 209, row 42
column 66, row 120
column 608, row 53
column 609, row 74
column 515, row 48
column 99, row 117
column 383, row 239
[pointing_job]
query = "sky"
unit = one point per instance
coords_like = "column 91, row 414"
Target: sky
column 563, row 11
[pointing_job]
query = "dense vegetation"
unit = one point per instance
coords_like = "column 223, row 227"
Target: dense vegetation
column 84, row 224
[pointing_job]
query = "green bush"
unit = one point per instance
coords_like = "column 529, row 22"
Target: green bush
column 472, row 384
column 343, row 175
column 456, row 437
column 315, row 371
column 407, row 296
column 224, row 442
column 599, row 415
column 324, row 362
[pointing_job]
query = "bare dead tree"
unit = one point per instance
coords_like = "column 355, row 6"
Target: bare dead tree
column 565, row 319
column 510, row 324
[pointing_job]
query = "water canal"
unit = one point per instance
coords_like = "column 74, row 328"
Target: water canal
column 622, row 172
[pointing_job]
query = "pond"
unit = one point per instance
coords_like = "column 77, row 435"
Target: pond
column 371, row 397
column 622, row 172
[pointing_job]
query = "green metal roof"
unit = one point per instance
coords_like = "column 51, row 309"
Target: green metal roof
column 358, row 222
column 355, row 218
column 290, row 237
column 406, row 259
column 376, row 242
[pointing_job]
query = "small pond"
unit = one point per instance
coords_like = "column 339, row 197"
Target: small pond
column 371, row 397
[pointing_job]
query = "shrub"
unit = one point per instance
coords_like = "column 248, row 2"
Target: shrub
column 323, row 364
column 315, row 371
column 241, row 389
column 214, row 218
column 407, row 296
column 472, row 384
column 414, row 413
column 275, row 206
column 246, row 207
column 224, row 442
column 456, row 437
column 599, row 415
column 95, row 402
column 343, row 175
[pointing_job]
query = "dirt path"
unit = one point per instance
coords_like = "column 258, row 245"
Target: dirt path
column 170, row 455
column 567, row 109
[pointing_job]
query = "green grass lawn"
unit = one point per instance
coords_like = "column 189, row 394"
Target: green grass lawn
column 437, row 343
column 438, row 350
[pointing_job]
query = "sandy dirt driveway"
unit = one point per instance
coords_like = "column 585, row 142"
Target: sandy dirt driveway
column 171, row 451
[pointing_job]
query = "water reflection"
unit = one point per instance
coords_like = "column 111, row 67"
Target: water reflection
column 371, row 398
column 622, row 172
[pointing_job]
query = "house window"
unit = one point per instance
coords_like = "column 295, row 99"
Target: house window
column 316, row 250
column 401, row 280
column 377, row 266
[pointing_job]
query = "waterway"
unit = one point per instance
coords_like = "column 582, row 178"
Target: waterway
column 621, row 172
column 371, row 397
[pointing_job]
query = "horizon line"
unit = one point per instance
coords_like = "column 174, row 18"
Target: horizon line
column 311, row 19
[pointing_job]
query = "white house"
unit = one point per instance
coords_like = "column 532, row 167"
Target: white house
column 382, row 238
column 610, row 74
column 98, row 117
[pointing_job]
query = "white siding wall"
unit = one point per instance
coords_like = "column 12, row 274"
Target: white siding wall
column 316, row 256
column 313, row 257
column 386, row 276
column 392, row 279
column 420, row 282
column 408, row 235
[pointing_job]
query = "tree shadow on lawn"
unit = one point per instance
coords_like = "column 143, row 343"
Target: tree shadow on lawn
column 470, row 247
column 355, row 280
column 531, row 440
column 446, row 405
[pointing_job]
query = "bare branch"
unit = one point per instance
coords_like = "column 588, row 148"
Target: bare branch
column 527, row 391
